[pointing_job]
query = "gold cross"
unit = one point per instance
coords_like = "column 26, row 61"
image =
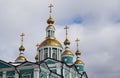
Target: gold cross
column 66, row 28
column 22, row 35
column 77, row 40
column 50, row 8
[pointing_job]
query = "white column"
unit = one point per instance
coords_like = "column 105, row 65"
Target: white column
column 42, row 54
column 58, row 66
column 4, row 74
column 58, row 52
column 16, row 74
column 48, row 52
column 51, row 52
column 70, row 73
column 47, row 75
column 36, row 72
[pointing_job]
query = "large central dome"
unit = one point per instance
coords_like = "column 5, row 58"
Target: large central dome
column 50, row 42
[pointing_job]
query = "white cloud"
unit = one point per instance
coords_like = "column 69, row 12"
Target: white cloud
column 98, row 31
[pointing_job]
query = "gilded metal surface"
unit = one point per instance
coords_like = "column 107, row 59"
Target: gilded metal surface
column 50, row 27
column 21, row 48
column 21, row 58
column 50, row 20
column 67, row 52
column 67, row 42
column 50, row 42
column 36, row 57
column 78, row 52
column 79, row 62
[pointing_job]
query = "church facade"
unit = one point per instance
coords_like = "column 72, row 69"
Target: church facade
column 52, row 59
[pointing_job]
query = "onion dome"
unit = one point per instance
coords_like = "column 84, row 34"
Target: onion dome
column 78, row 52
column 50, row 27
column 78, row 62
column 21, row 48
column 36, row 57
column 50, row 20
column 67, row 52
column 66, row 42
column 51, row 42
column 21, row 58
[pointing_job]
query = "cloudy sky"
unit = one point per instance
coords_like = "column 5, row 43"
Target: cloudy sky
column 95, row 22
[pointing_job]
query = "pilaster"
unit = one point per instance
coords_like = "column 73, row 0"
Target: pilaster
column 36, row 73
column 4, row 74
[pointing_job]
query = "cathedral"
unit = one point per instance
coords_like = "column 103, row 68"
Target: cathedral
column 52, row 59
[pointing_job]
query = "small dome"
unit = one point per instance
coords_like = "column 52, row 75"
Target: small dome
column 51, row 42
column 22, row 58
column 79, row 62
column 67, row 52
column 78, row 52
column 36, row 57
column 21, row 48
column 66, row 42
column 50, row 27
column 50, row 20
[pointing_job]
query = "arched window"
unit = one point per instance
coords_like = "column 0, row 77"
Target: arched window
column 45, row 53
column 54, row 56
column 48, row 33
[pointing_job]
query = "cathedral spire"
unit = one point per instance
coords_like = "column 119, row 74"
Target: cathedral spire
column 21, row 57
column 67, row 55
column 66, row 42
column 36, row 57
column 50, row 20
column 22, row 47
column 50, row 30
column 78, row 53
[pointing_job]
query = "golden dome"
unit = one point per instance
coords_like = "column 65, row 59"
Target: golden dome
column 50, row 42
column 21, row 58
column 21, row 48
column 78, row 52
column 50, row 27
column 79, row 62
column 67, row 52
column 36, row 57
column 50, row 20
column 67, row 42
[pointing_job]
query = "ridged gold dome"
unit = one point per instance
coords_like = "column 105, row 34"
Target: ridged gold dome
column 66, row 42
column 21, row 48
column 67, row 52
column 50, row 27
column 51, row 42
column 79, row 62
column 50, row 20
column 21, row 58
column 78, row 52
column 36, row 57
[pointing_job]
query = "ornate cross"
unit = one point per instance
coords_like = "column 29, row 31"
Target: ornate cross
column 50, row 8
column 66, row 28
column 77, row 40
column 22, row 35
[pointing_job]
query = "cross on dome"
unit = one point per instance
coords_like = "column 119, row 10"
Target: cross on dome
column 66, row 28
column 22, row 35
column 50, row 8
column 77, row 40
